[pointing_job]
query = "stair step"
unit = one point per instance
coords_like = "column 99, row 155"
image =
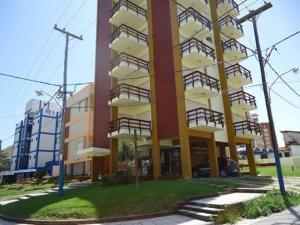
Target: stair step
column 204, row 209
column 209, row 205
column 198, row 215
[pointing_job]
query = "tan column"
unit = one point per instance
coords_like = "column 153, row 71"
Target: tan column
column 213, row 158
column 223, row 80
column 94, row 169
column 222, row 148
column 155, row 141
column 181, row 110
column 251, row 159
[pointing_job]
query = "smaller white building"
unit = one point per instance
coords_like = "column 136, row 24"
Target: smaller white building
column 36, row 142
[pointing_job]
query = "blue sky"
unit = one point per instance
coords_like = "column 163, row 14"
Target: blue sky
column 26, row 24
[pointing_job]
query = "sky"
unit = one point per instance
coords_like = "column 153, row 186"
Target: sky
column 31, row 48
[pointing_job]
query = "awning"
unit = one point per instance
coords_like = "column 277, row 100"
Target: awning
column 24, row 171
column 90, row 152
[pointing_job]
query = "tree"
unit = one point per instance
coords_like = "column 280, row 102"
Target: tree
column 5, row 162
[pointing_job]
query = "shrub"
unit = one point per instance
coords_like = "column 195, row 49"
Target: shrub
column 117, row 178
column 265, row 205
column 38, row 175
column 231, row 216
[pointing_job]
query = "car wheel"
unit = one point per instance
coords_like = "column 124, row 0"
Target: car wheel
column 195, row 174
column 223, row 173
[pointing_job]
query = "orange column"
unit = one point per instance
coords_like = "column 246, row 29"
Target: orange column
column 251, row 159
column 181, row 109
column 223, row 80
column 155, row 141
column 213, row 158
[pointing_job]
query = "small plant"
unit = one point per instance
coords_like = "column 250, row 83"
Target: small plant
column 117, row 178
column 231, row 216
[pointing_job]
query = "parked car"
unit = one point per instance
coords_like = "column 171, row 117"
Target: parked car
column 227, row 167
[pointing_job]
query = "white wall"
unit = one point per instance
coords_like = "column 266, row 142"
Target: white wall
column 295, row 149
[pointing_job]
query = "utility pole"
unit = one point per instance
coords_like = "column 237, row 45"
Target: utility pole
column 136, row 159
column 63, row 111
column 253, row 16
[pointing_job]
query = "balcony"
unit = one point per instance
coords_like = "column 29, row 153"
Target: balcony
column 205, row 119
column 242, row 102
column 196, row 54
column 199, row 5
column 228, row 7
column 231, row 27
column 191, row 21
column 128, row 95
column 247, row 129
column 234, row 51
column 128, row 40
column 238, row 76
column 137, row 2
column 200, row 85
column 127, row 68
column 126, row 12
column 124, row 128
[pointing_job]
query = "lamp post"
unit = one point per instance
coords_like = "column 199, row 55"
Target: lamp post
column 294, row 70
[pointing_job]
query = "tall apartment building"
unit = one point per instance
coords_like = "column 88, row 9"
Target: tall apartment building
column 266, row 136
column 171, row 71
column 79, row 132
column 36, row 141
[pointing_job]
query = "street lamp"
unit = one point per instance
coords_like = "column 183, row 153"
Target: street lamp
column 294, row 70
column 42, row 93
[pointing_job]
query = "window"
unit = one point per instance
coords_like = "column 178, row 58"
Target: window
column 79, row 145
column 286, row 154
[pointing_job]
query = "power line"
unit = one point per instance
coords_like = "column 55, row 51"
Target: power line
column 27, row 79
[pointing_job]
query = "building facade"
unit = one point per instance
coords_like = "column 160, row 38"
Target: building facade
column 79, row 131
column 171, row 72
column 36, row 141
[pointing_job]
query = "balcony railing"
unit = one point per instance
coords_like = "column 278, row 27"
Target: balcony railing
column 198, row 17
column 233, row 44
column 129, row 124
column 230, row 20
column 238, row 69
column 129, row 5
column 129, row 59
column 245, row 126
column 231, row 2
column 130, row 90
column 241, row 97
column 189, row 44
column 130, row 32
column 207, row 115
column 199, row 77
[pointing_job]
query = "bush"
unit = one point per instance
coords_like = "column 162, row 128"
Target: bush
column 232, row 216
column 117, row 178
column 272, row 202
column 38, row 175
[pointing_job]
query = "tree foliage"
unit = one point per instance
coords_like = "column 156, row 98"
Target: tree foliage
column 4, row 162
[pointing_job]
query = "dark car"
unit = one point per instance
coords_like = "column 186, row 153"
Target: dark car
column 227, row 167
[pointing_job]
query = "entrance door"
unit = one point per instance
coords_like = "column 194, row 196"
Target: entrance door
column 170, row 162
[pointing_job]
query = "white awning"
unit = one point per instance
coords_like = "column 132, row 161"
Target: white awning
column 93, row 151
column 24, row 171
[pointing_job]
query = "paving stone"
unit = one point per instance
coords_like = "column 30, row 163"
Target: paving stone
column 8, row 201
column 37, row 194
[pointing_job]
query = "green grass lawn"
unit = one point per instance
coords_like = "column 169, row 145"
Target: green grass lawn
column 271, row 171
column 13, row 190
column 105, row 202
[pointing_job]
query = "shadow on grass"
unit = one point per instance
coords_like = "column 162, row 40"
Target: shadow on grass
column 289, row 206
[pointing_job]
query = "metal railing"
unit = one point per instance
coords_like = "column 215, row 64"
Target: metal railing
column 232, row 43
column 129, row 31
column 129, row 59
column 130, row 124
column 247, row 126
column 232, row 71
column 197, row 76
column 130, row 90
column 242, row 96
column 189, row 44
column 231, row 2
column 198, row 17
column 129, row 5
column 230, row 20
column 207, row 115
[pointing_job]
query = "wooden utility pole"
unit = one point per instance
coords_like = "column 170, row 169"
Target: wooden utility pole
column 64, row 96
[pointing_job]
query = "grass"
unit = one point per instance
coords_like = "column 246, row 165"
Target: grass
column 271, row 171
column 106, row 202
column 19, row 189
